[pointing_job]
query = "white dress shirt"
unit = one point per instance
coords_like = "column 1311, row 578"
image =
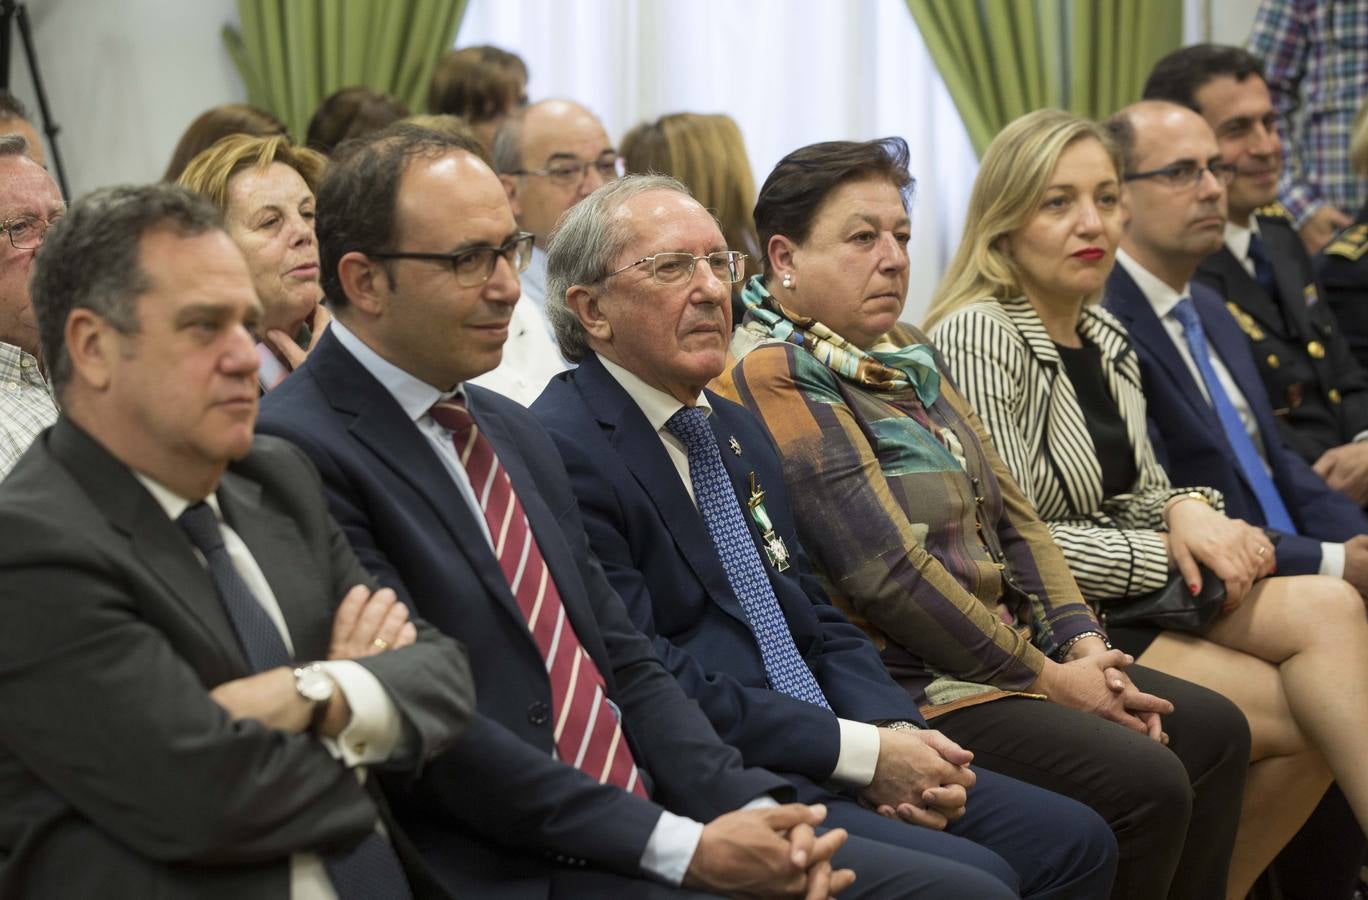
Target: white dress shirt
column 375, row 729
column 1238, row 239
column 672, row 843
column 859, row 750
column 1162, row 298
column 531, row 356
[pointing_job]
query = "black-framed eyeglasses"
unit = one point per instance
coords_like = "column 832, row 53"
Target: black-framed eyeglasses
column 475, row 266
column 27, row 232
column 1186, row 174
column 571, row 174
column 728, row 266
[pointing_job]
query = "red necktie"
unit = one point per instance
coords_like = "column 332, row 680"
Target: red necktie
column 587, row 733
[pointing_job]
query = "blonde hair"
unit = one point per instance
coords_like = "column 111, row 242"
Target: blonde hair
column 208, row 173
column 707, row 153
column 1358, row 143
column 1012, row 178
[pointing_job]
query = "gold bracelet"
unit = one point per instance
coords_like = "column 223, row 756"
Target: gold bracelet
column 1186, row 495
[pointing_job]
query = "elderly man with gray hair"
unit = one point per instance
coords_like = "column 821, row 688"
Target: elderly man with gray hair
column 684, row 503
column 29, row 202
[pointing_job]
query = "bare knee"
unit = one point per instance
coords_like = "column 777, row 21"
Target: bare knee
column 1330, row 607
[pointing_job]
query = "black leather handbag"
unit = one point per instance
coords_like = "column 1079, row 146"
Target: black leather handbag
column 1172, row 607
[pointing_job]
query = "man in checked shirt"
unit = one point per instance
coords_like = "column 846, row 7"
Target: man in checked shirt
column 1315, row 56
column 29, row 201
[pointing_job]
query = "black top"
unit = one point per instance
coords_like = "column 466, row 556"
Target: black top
column 1083, row 365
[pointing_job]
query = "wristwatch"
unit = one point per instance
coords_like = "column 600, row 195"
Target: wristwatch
column 315, row 685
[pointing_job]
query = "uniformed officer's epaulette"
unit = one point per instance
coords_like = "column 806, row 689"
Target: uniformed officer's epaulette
column 1274, row 210
column 1351, row 243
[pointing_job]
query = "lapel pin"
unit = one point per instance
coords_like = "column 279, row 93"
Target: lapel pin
column 735, row 445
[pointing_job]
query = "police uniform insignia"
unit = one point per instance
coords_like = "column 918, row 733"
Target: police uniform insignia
column 1351, row 244
column 1245, row 321
column 1310, row 294
column 1274, row 210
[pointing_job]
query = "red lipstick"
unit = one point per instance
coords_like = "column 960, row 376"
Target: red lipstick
column 1091, row 254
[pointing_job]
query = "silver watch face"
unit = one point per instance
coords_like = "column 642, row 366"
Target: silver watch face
column 314, row 684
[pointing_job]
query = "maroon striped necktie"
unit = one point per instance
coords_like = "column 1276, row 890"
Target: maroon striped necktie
column 587, row 733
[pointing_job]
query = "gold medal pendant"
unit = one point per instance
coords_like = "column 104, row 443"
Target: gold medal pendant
column 774, row 547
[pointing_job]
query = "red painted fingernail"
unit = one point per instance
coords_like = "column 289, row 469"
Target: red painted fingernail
column 1193, row 587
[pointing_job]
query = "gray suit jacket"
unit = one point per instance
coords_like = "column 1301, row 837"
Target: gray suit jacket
column 119, row 776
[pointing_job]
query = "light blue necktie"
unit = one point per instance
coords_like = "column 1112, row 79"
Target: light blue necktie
column 731, row 536
column 1246, row 455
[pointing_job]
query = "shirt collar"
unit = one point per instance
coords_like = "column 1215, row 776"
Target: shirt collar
column 657, row 405
column 533, row 278
column 174, row 504
column 12, row 359
column 1160, row 296
column 1237, row 237
column 413, row 395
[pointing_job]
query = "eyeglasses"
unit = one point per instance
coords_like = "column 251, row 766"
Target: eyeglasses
column 27, row 232
column 728, row 266
column 1187, row 174
column 571, row 174
column 474, row 267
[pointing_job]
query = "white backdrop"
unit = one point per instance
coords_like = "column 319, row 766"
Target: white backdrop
column 791, row 72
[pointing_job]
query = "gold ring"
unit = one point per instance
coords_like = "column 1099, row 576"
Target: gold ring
column 380, row 644
column 1263, row 550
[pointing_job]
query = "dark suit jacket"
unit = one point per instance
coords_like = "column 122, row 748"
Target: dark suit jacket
column 1192, row 447
column 497, row 811
column 1341, row 269
column 658, row 554
column 1317, row 389
column 119, row 776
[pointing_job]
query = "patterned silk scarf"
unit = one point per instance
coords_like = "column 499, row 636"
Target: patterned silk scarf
column 880, row 370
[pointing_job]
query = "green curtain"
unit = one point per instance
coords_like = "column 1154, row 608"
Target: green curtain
column 1003, row 58
column 293, row 53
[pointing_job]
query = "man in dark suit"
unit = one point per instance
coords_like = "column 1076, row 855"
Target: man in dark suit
column 1173, row 220
column 1209, row 420
column 1262, row 272
column 685, row 506
column 456, row 498
column 167, row 581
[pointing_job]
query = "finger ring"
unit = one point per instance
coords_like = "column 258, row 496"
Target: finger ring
column 380, row 644
column 1263, row 550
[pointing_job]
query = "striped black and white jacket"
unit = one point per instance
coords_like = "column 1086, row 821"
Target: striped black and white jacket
column 1010, row 372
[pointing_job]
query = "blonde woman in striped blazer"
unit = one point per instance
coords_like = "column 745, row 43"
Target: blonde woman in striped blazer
column 1054, row 378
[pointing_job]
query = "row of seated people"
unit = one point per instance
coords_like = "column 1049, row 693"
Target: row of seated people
column 634, row 500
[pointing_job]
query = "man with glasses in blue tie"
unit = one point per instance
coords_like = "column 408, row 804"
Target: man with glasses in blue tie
column 1212, row 421
column 549, row 156
column 200, row 682
column 685, row 505
column 1262, row 272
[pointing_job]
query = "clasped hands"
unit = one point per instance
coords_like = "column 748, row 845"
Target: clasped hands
column 769, row 852
column 366, row 622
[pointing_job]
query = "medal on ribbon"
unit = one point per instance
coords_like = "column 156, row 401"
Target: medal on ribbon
column 773, row 544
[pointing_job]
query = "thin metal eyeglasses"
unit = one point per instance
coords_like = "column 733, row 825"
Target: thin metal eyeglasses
column 728, row 266
column 474, row 267
column 27, row 232
column 1187, row 174
column 571, row 174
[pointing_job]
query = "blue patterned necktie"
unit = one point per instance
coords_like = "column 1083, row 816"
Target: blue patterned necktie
column 731, row 537
column 369, row 869
column 1246, row 455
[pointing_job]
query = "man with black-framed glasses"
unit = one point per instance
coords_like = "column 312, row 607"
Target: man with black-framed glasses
column 29, row 201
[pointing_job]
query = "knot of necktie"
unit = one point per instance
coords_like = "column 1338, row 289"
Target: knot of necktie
column 452, row 415
column 202, row 527
column 690, row 425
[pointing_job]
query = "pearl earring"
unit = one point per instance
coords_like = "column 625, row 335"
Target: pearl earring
column 787, row 282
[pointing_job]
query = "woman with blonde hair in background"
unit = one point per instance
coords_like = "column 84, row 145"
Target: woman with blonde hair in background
column 1055, row 380
column 265, row 187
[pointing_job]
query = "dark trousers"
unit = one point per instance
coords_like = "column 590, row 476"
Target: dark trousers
column 1032, row 842
column 1174, row 810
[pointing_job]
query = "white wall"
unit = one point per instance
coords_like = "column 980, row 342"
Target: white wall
column 124, row 78
column 1218, row 21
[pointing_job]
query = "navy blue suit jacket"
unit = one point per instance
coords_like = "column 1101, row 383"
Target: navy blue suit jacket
column 659, row 556
column 1188, row 437
column 493, row 814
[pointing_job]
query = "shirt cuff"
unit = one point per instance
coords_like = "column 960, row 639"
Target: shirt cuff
column 671, row 847
column 1332, row 560
column 375, row 729
column 1361, row 436
column 859, row 754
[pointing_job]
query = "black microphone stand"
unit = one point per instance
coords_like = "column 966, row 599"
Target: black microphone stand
column 10, row 11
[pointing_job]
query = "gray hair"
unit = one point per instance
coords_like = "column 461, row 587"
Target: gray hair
column 506, row 149
column 90, row 259
column 13, row 145
column 583, row 246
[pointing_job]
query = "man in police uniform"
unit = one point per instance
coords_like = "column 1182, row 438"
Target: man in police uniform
column 1318, row 391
